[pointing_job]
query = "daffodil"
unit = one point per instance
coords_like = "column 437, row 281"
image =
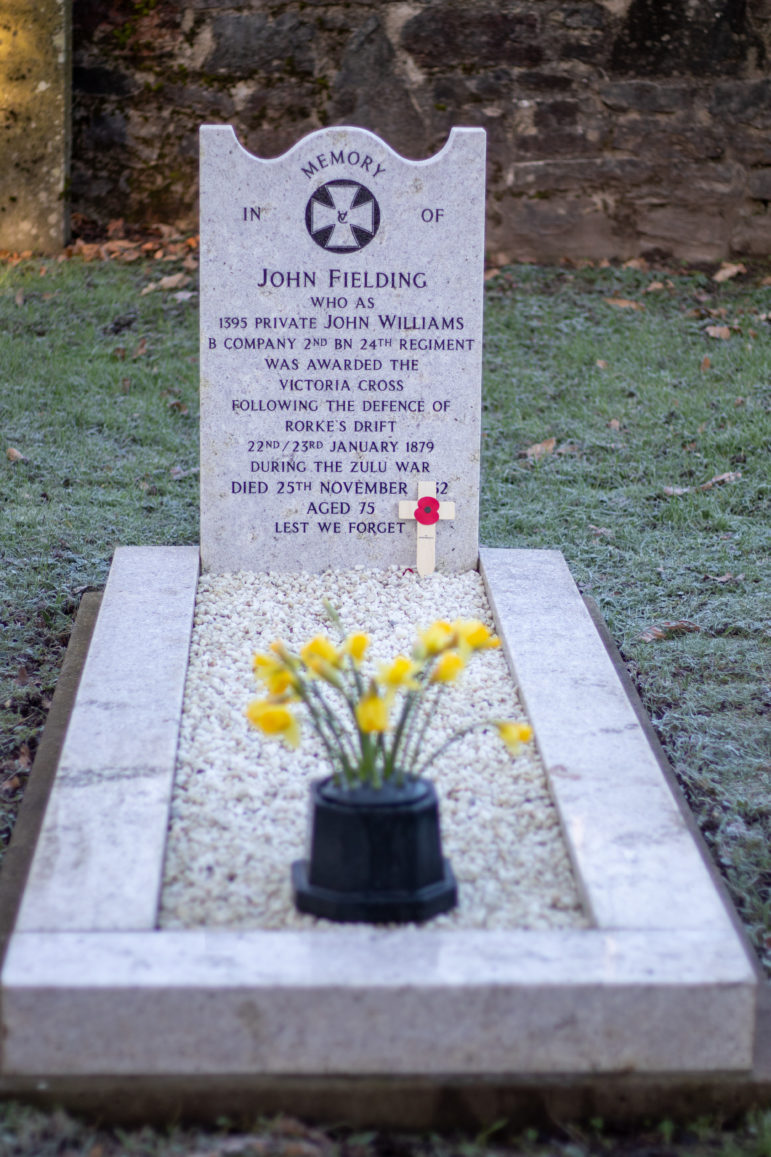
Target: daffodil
column 355, row 646
column 514, row 734
column 448, row 668
column 276, row 676
column 372, row 713
column 474, row 635
column 399, row 674
column 436, row 638
column 320, row 647
column 274, row 720
column 321, row 657
column 392, row 711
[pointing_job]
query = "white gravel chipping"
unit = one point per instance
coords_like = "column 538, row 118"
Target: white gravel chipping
column 240, row 807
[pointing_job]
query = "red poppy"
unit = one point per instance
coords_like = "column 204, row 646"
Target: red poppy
column 427, row 511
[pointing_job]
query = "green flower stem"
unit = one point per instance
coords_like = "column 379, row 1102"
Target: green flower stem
column 428, row 714
column 408, row 706
column 448, row 743
column 334, row 748
column 341, row 736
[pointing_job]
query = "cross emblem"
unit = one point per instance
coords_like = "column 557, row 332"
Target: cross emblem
column 427, row 513
column 342, row 216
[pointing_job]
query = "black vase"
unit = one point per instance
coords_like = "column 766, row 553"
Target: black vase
column 376, row 855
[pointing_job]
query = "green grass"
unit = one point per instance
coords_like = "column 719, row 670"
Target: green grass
column 28, row 1132
column 98, row 392
column 653, row 416
column 109, row 445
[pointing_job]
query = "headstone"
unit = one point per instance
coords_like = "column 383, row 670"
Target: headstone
column 341, row 346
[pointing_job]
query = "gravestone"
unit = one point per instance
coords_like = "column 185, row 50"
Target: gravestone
column 658, row 984
column 341, row 347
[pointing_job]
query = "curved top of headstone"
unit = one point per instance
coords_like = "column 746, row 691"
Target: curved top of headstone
column 337, row 135
column 341, row 340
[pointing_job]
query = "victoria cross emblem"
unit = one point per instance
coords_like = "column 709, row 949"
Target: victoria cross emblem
column 342, row 216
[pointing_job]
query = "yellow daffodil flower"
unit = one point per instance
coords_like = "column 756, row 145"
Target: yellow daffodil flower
column 436, row 638
column 321, row 656
column 273, row 673
column 399, row 673
column 320, row 647
column 356, row 645
column 514, row 734
column 372, row 713
column 448, row 668
column 274, row 720
column 473, row 634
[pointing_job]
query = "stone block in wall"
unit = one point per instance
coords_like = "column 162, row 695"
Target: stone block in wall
column 445, row 35
column 752, row 231
column 34, row 122
column 548, row 229
column 759, row 184
column 675, row 228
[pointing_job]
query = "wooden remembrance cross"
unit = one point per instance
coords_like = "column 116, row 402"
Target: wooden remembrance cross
column 427, row 513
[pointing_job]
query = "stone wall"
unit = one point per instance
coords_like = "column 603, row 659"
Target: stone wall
column 615, row 127
column 34, row 123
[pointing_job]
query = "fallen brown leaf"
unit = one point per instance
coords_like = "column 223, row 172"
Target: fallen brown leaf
column 637, row 263
column 718, row 480
column 718, row 331
column 538, row 449
column 24, row 755
column 728, row 270
column 15, row 455
column 141, row 349
column 624, row 303
column 705, row 364
column 490, row 273
column 614, row 424
column 600, row 531
column 654, row 287
column 601, row 364
column 88, row 251
column 724, row 578
column 174, row 281
column 668, row 630
column 19, row 298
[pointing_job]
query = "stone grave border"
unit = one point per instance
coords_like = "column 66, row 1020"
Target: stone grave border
column 662, row 983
